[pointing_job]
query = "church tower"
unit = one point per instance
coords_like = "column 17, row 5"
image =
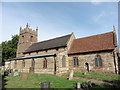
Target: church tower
column 27, row 37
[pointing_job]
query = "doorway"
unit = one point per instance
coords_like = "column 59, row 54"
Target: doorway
column 87, row 66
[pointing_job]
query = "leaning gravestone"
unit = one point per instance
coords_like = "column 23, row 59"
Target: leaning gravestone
column 16, row 74
column 71, row 75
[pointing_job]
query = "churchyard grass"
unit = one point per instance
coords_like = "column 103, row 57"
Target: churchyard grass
column 99, row 76
column 34, row 80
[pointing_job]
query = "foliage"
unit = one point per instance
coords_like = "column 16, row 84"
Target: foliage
column 9, row 48
column 99, row 76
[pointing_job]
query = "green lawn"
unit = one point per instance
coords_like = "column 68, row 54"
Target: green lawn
column 57, row 82
column 99, row 76
column 34, row 80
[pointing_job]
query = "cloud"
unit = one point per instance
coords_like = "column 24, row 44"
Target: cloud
column 95, row 2
column 97, row 18
column 98, row 2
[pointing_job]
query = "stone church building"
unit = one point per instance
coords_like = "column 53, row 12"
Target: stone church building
column 98, row 53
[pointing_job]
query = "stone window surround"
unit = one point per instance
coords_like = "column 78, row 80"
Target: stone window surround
column 23, row 64
column 63, row 61
column 45, row 63
column 33, row 63
column 76, row 61
column 98, row 61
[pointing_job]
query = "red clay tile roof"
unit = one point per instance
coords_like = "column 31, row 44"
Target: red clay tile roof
column 49, row 44
column 93, row 43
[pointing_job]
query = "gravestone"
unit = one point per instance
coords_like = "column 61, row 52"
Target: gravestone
column 16, row 74
column 78, row 85
column 6, row 73
column 24, row 76
column 89, row 84
column 45, row 84
column 31, row 70
column 84, row 85
column 71, row 75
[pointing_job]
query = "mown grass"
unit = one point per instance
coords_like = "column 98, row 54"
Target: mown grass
column 99, row 76
column 34, row 80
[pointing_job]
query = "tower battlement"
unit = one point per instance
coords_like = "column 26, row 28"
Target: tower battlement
column 27, row 37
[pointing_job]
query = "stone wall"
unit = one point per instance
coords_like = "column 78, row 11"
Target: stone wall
column 59, row 68
column 108, row 65
column 38, row 65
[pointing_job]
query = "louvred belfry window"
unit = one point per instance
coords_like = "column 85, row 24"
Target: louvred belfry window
column 98, row 61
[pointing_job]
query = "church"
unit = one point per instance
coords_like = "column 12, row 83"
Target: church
column 97, row 53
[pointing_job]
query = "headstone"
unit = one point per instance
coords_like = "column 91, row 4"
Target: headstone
column 31, row 70
column 11, row 70
column 6, row 73
column 78, row 85
column 89, row 84
column 71, row 75
column 24, row 76
column 84, row 85
column 45, row 85
column 16, row 74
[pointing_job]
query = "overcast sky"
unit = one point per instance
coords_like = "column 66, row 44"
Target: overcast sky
column 56, row 19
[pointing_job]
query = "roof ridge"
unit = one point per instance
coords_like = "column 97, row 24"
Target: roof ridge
column 52, row 39
column 94, row 35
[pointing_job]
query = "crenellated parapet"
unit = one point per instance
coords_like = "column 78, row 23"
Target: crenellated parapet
column 27, row 36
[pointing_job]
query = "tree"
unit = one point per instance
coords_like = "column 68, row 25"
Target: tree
column 9, row 48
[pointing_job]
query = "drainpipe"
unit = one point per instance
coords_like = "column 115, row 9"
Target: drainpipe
column 114, row 62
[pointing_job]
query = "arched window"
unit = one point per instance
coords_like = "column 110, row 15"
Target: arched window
column 15, row 64
column 76, row 63
column 33, row 63
column 23, row 63
column 98, row 61
column 45, row 63
column 63, row 61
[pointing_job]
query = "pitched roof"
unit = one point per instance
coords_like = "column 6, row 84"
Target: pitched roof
column 93, row 43
column 49, row 44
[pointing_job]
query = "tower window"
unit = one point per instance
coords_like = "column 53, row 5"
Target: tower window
column 76, row 63
column 98, row 61
column 63, row 61
column 31, row 38
column 45, row 63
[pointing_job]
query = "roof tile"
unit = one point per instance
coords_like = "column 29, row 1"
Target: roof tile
column 49, row 44
column 93, row 43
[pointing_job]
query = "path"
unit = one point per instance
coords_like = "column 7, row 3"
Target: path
column 93, row 80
